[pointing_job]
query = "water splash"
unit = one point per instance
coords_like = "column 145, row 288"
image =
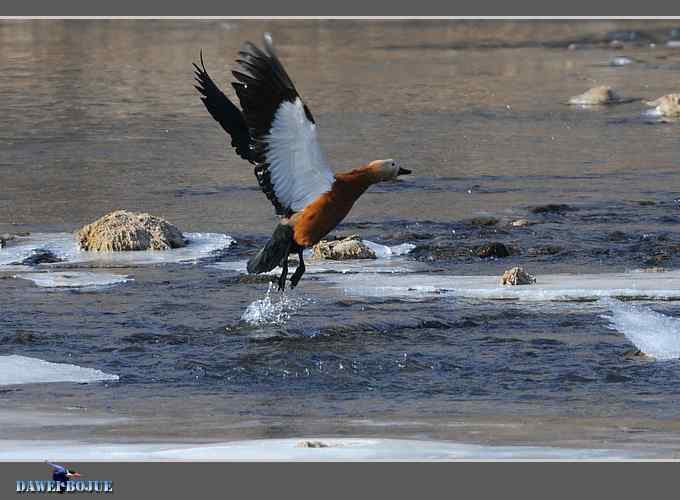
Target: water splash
column 272, row 309
column 653, row 333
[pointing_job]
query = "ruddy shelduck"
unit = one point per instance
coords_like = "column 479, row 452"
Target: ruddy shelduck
column 277, row 133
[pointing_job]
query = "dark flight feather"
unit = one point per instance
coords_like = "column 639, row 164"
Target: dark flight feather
column 224, row 112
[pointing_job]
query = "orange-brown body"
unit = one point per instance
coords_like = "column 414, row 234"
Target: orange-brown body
column 322, row 215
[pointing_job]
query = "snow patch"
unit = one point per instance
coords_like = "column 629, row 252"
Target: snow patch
column 290, row 449
column 653, row 333
column 74, row 279
column 24, row 370
column 555, row 287
column 64, row 246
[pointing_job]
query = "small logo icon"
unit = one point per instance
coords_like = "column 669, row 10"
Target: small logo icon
column 61, row 475
column 64, row 480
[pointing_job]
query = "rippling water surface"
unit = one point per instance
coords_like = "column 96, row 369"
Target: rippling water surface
column 99, row 115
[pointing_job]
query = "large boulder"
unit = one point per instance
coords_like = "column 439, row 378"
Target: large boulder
column 123, row 231
column 345, row 249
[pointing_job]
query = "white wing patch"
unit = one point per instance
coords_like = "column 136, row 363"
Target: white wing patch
column 298, row 169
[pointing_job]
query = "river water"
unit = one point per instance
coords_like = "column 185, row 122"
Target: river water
column 100, row 115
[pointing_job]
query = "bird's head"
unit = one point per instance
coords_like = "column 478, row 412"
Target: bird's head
column 387, row 170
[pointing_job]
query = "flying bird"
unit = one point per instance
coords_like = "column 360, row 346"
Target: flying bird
column 276, row 132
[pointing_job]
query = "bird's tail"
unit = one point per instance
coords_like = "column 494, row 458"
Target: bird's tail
column 273, row 253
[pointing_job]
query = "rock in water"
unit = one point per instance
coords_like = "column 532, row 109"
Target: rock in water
column 482, row 221
column 668, row 105
column 521, row 223
column 4, row 238
column 596, row 96
column 312, row 444
column 551, row 208
column 122, row 231
column 637, row 355
column 494, row 249
column 347, row 248
column 38, row 256
column 517, row 276
column 654, row 270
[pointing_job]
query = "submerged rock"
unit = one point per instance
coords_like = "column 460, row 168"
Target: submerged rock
column 249, row 279
column 657, row 260
column 667, row 105
column 440, row 251
column 124, row 231
column 597, row 96
column 517, row 276
column 626, row 36
column 482, row 221
column 493, row 249
column 345, row 249
column 616, row 236
column 408, row 236
column 551, row 208
column 543, row 250
column 38, row 256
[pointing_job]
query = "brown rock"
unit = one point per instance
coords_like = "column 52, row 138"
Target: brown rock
column 517, row 276
column 482, row 221
column 596, row 96
column 312, row 444
column 654, row 270
column 668, row 105
column 637, row 355
column 345, row 249
column 123, row 231
column 521, row 223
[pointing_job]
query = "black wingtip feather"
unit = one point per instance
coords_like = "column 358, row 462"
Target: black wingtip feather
column 261, row 84
column 223, row 111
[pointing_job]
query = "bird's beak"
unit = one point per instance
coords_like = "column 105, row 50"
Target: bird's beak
column 403, row 171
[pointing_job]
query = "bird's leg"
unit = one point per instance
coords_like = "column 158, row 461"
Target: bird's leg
column 299, row 271
column 284, row 273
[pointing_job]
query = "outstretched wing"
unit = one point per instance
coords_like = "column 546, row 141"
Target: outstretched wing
column 224, row 112
column 290, row 166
